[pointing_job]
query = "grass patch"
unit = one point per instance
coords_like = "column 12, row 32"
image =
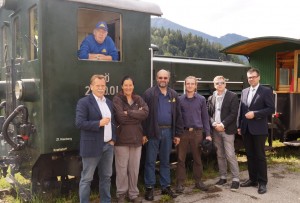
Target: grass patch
column 280, row 154
column 165, row 198
column 4, row 184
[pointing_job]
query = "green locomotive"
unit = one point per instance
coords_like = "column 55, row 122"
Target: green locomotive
column 42, row 77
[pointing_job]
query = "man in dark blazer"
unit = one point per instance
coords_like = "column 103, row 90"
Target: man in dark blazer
column 257, row 104
column 223, row 108
column 94, row 118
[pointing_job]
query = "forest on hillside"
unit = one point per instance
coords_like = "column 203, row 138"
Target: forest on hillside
column 174, row 43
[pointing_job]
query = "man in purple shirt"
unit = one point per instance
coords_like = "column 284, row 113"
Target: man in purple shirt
column 195, row 121
column 99, row 46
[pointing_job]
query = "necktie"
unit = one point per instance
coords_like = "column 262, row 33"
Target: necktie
column 250, row 96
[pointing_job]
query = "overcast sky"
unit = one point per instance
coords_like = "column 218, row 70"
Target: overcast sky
column 250, row 18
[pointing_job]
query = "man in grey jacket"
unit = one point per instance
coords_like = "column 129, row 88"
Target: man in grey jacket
column 223, row 108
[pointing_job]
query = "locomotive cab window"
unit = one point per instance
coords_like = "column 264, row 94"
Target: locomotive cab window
column 33, row 29
column 99, row 35
column 17, row 39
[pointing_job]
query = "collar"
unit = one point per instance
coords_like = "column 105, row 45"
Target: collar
column 222, row 95
column 185, row 95
column 256, row 87
column 99, row 99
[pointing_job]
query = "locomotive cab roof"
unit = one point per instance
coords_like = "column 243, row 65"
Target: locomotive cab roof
column 131, row 5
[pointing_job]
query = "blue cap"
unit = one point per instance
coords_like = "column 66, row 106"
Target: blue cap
column 102, row 25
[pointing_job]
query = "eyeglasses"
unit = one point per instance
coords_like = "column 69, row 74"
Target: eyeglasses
column 165, row 78
column 219, row 83
column 252, row 77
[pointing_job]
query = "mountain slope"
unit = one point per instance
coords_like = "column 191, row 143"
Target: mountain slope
column 225, row 40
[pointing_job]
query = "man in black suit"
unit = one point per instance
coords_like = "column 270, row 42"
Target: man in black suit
column 95, row 120
column 223, row 108
column 257, row 104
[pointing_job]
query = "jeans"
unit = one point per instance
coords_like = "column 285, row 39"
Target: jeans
column 163, row 146
column 226, row 152
column 104, row 163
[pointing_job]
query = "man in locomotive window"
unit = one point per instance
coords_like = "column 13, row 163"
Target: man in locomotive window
column 195, row 121
column 256, row 105
column 95, row 120
column 223, row 107
column 162, row 127
column 99, row 46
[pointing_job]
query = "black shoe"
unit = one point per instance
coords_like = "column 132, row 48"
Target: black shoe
column 249, row 183
column 235, row 185
column 169, row 192
column 149, row 194
column 179, row 189
column 200, row 185
column 262, row 189
column 221, row 182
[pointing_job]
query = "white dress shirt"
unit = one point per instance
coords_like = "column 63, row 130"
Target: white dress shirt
column 105, row 111
column 251, row 94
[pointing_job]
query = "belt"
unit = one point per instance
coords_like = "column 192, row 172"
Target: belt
column 192, row 129
column 165, row 126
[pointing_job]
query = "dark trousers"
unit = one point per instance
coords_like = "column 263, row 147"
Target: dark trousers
column 189, row 141
column 256, row 157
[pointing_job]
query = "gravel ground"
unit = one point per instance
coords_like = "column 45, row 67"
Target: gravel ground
column 283, row 186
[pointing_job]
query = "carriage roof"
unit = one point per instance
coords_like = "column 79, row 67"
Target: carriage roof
column 247, row 47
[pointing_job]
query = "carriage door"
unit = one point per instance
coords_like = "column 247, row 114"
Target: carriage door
column 287, row 71
column 297, row 71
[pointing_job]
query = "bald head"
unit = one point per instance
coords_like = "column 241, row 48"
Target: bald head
column 162, row 78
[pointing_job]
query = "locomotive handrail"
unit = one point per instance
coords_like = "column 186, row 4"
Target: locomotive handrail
column 19, row 109
column 5, row 53
column 151, row 67
column 2, row 104
column 275, row 102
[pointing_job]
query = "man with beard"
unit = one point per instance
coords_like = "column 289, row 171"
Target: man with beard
column 163, row 125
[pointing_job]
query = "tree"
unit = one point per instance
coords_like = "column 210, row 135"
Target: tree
column 173, row 43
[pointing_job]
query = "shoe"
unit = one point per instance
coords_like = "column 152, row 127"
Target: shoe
column 235, row 185
column 200, row 185
column 136, row 200
column 262, row 189
column 121, row 198
column 149, row 194
column 249, row 183
column 169, row 192
column 221, row 182
column 179, row 189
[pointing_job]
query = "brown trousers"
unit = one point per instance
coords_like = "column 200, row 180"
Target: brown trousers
column 189, row 141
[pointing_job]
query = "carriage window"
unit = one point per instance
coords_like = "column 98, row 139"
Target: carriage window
column 285, row 71
column 17, row 38
column 33, row 29
column 88, row 20
column 284, row 76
